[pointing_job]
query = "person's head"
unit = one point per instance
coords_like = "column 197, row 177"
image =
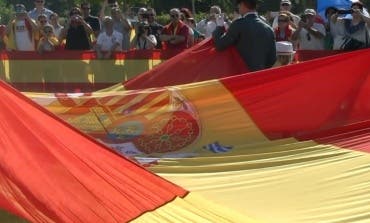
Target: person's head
column 39, row 4
column 246, row 6
column 175, row 15
column 283, row 20
column 142, row 14
column 74, row 15
column 285, row 5
column 42, row 20
column 54, row 19
column 214, row 10
column 20, row 11
column 151, row 15
column 284, row 52
column 357, row 5
column 85, row 9
column 309, row 16
column 48, row 30
column 329, row 11
column 75, row 11
column 108, row 24
column 116, row 13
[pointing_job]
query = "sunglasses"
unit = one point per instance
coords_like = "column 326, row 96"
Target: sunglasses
column 174, row 16
column 285, row 4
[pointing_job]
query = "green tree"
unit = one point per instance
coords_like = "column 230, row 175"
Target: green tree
column 6, row 12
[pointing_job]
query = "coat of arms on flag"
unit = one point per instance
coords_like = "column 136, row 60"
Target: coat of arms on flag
column 152, row 122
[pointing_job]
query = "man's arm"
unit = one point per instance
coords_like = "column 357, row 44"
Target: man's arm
column 224, row 39
column 32, row 23
column 86, row 26
column 318, row 32
column 174, row 39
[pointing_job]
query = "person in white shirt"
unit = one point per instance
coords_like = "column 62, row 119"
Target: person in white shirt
column 109, row 40
column 310, row 35
column 21, row 33
column 208, row 25
column 21, row 30
column 356, row 28
column 143, row 40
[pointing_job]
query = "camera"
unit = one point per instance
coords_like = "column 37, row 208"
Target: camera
column 75, row 18
column 142, row 27
column 145, row 16
column 345, row 12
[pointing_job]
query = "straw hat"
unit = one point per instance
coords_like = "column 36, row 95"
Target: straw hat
column 284, row 48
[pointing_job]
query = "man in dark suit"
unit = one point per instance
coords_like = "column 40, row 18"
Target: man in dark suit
column 253, row 38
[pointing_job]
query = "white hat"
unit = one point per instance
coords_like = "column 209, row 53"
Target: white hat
column 285, row 2
column 309, row 12
column 284, row 48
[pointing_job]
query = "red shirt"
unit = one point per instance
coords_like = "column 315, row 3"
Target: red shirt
column 288, row 34
column 181, row 30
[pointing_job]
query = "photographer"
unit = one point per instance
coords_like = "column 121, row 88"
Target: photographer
column 155, row 27
column 48, row 41
column 356, row 30
column 309, row 34
column 77, row 32
column 21, row 31
column 143, row 40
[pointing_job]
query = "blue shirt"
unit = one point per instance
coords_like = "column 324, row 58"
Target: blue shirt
column 34, row 14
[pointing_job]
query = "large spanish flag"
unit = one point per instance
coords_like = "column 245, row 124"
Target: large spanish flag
column 283, row 145
column 51, row 172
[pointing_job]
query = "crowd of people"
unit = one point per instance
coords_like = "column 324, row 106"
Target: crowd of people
column 114, row 30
